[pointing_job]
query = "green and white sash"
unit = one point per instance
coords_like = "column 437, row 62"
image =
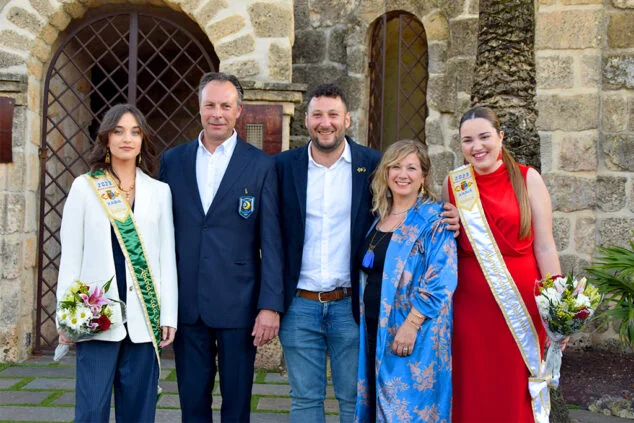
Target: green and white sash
column 504, row 290
column 122, row 221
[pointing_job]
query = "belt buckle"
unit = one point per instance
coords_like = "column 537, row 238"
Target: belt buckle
column 319, row 298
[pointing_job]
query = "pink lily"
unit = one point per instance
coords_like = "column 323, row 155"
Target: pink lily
column 96, row 298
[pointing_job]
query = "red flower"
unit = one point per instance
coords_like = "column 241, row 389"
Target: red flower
column 103, row 322
column 582, row 314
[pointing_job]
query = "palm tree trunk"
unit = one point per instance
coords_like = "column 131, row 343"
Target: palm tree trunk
column 505, row 73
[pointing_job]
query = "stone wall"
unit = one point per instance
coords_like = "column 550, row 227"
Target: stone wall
column 585, row 99
column 332, row 44
column 18, row 227
column 585, row 78
column 252, row 38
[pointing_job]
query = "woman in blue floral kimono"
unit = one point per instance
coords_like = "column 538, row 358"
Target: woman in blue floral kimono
column 409, row 273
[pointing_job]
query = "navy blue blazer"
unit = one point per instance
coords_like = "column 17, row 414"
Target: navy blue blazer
column 292, row 175
column 229, row 266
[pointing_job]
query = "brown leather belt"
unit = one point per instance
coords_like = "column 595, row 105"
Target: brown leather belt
column 324, row 297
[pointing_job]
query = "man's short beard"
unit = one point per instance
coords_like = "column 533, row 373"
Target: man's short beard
column 329, row 148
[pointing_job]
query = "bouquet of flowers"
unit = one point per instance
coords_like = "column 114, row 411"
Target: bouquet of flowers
column 85, row 311
column 565, row 305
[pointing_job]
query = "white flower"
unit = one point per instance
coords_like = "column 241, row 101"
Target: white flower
column 73, row 322
column 582, row 301
column 542, row 305
column 83, row 313
column 552, row 295
column 63, row 316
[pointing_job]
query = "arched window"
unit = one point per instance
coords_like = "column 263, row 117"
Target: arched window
column 398, row 80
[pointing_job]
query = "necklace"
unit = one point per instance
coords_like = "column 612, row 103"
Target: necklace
column 126, row 192
column 368, row 258
column 404, row 211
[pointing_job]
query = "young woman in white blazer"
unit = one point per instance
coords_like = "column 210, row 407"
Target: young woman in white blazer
column 94, row 249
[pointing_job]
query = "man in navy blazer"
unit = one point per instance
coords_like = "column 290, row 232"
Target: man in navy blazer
column 325, row 204
column 228, row 252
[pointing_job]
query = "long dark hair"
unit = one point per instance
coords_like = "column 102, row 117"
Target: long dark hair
column 110, row 120
column 517, row 180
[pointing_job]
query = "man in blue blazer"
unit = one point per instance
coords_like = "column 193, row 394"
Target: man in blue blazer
column 228, row 252
column 325, row 204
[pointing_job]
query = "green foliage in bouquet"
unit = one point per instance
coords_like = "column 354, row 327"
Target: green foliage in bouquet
column 612, row 272
column 566, row 303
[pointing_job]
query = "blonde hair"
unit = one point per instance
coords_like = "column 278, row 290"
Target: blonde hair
column 517, row 179
column 381, row 194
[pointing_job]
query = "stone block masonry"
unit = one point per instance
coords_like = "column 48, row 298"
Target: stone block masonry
column 585, row 76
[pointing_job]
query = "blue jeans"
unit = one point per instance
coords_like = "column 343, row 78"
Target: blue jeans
column 310, row 331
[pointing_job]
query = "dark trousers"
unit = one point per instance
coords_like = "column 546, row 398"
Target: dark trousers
column 133, row 371
column 371, row 327
column 195, row 349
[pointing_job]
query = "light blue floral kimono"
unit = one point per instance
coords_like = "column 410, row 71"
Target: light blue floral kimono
column 421, row 271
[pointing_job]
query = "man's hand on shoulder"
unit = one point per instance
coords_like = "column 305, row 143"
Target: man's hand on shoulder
column 267, row 325
column 451, row 218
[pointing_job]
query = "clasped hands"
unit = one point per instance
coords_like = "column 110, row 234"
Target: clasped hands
column 267, row 326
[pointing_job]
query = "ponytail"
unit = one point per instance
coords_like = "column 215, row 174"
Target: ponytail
column 521, row 192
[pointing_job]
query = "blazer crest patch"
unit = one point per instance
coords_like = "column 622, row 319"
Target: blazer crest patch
column 246, row 205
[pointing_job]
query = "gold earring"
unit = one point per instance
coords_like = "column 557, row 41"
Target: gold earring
column 422, row 190
column 138, row 161
column 107, row 156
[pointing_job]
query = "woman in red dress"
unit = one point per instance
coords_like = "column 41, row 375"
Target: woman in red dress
column 490, row 377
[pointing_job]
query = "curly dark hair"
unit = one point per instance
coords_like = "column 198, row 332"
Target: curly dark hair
column 328, row 90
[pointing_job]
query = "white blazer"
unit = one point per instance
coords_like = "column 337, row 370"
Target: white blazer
column 87, row 251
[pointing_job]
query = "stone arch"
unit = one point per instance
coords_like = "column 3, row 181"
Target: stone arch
column 237, row 30
column 398, row 79
column 251, row 47
column 438, row 23
column 139, row 56
column 451, row 29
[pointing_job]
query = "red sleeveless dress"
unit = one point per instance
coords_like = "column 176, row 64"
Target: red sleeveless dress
column 490, row 379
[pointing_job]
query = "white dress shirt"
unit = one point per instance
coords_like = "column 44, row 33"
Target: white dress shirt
column 326, row 254
column 210, row 168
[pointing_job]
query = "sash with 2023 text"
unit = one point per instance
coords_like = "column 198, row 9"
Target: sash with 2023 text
column 122, row 221
column 502, row 286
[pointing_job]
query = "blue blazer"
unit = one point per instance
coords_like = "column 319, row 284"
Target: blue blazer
column 229, row 266
column 292, row 175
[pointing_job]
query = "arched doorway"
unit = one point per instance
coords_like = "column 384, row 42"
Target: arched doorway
column 398, row 80
column 138, row 56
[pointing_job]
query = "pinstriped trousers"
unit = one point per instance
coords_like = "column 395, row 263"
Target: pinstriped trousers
column 133, row 371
